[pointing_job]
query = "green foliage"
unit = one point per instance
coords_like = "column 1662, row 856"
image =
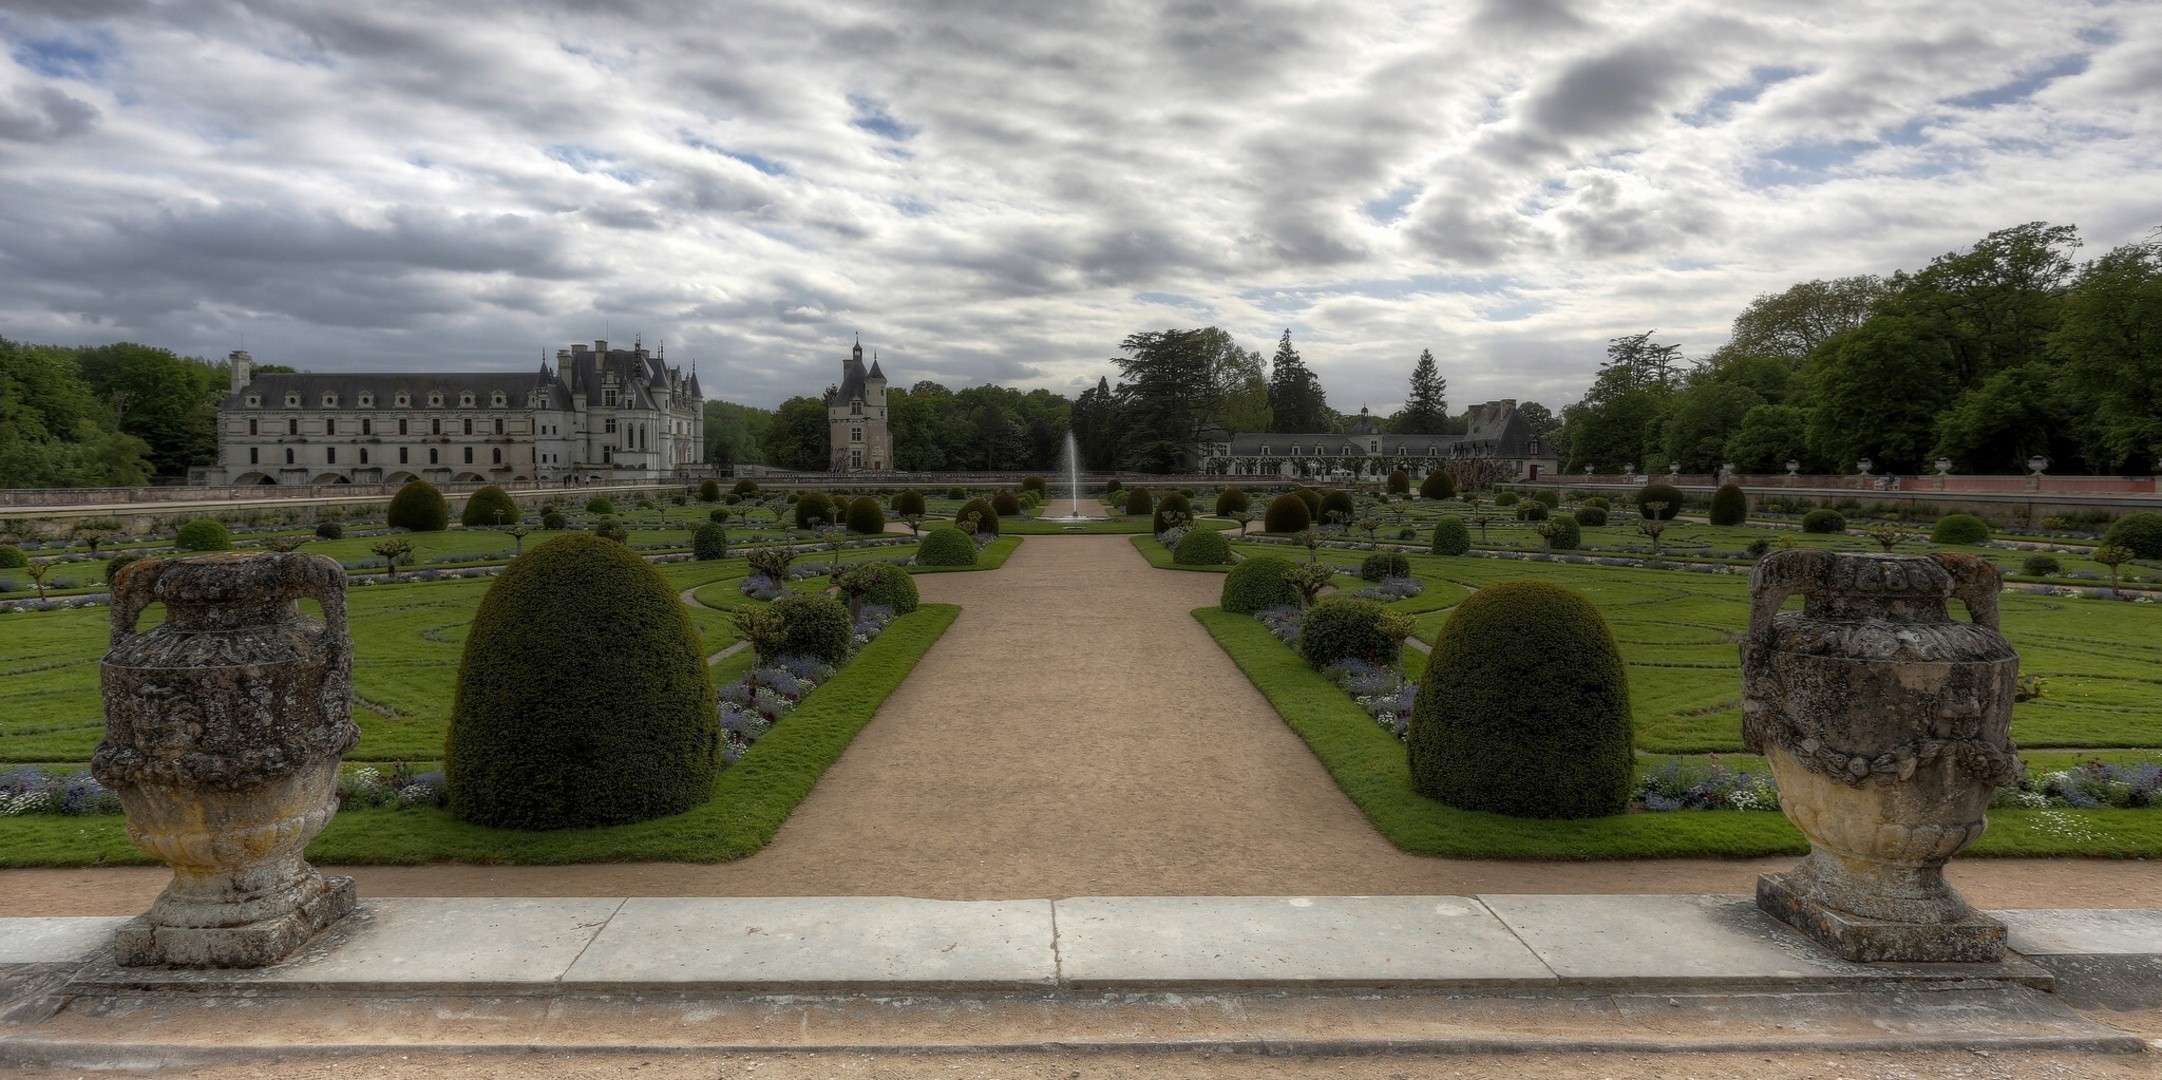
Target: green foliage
column 600, row 504
column 956, row 493
column 1959, row 529
column 1531, row 510
column 745, row 486
column 583, row 697
column 1667, row 495
column 1506, row 498
column 488, row 507
column 986, row 517
column 1345, row 628
column 329, row 530
column 607, row 528
column 1547, row 497
column 709, row 491
column 1312, row 499
column 813, row 626
column 944, row 545
column 1399, row 482
column 1729, row 505
column 1451, row 537
column 1111, row 487
column 1202, row 547
column 203, row 534
column 1139, row 501
column 709, row 542
column 554, row 521
column 2041, row 566
column 1824, row 521
column 1599, row 501
column 1174, row 503
column 418, row 507
column 1561, row 533
column 908, row 502
column 816, row 508
column 1230, row 501
column 1337, row 508
column 1258, row 584
column 12, row 557
column 1384, row 564
column 892, row 586
column 1524, row 708
column 1005, row 504
column 1286, row 514
column 718, row 515
column 2139, row 532
column 865, row 516
column 1592, row 516
column 1035, row 483
column 1437, row 485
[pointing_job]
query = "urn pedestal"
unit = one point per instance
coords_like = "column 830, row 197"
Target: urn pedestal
column 223, row 731
column 1886, row 723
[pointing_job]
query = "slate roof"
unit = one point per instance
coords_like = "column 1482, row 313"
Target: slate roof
column 273, row 387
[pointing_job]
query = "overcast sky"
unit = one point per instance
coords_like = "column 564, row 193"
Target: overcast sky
column 1000, row 192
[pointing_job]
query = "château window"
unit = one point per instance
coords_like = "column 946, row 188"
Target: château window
column 251, row 428
column 364, row 455
column 497, row 400
column 292, row 426
column 254, row 400
column 330, row 455
column 402, row 400
column 292, row 401
column 611, row 422
column 499, row 427
column 255, row 456
column 608, row 398
column 401, row 455
column 855, row 434
column 288, row 455
column 401, row 426
column 367, row 427
column 855, row 408
column 497, row 453
column 367, row 401
column 435, row 399
column 469, row 455
column 469, row 425
column 432, row 456
column 435, row 427
column 330, row 401
column 465, row 400
column 1535, row 448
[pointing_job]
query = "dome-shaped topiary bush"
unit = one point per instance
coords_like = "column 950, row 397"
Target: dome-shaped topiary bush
column 1591, row 516
column 709, row 491
column 1524, row 708
column 813, row 626
column 1547, row 497
column 1824, row 521
column 1729, row 505
column 1959, row 529
column 1399, row 482
column 608, row 528
column 1312, row 499
column 487, row 508
column 1140, row 501
column 893, row 587
column 1667, row 496
column 600, row 504
column 814, row 508
column 583, row 697
column 865, row 516
column 986, row 517
column 1344, row 628
column 418, row 507
column 1257, row 585
column 1286, row 514
column 945, row 545
column 1173, row 503
column 2139, row 533
column 1231, row 501
column 1437, row 485
column 1035, row 483
column 1562, row 533
column 329, row 530
column 908, row 502
column 1202, row 547
column 718, row 515
column 2041, row 566
column 1111, row 486
column 1451, row 537
column 1507, row 498
column 1598, row 502
column 1337, row 508
column 203, row 534
column 1383, row 565
column 709, row 542
column 745, row 486
column 12, row 558
column 1005, row 504
column 1531, row 510
column 554, row 521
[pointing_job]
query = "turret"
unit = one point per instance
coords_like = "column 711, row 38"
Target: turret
column 243, row 368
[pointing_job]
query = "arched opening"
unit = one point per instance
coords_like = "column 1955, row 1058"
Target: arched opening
column 399, row 478
column 256, row 479
column 471, row 478
column 331, row 478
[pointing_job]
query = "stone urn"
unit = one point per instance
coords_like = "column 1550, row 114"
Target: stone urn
column 1887, row 723
column 223, row 730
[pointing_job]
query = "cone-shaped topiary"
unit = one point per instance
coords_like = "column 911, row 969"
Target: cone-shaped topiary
column 1959, row 529
column 865, row 516
column 1524, row 708
column 908, row 502
column 602, row 505
column 203, row 534
column 1173, row 503
column 2139, row 533
column 1729, row 505
column 1202, row 547
column 944, row 545
column 1035, row 483
column 1451, row 537
column 1257, row 585
column 1437, row 485
column 1337, row 508
column 1667, row 495
column 1005, row 504
column 487, row 508
column 814, row 508
column 418, row 507
column 709, row 491
column 1593, row 516
column 709, row 542
column 1230, row 501
column 1824, row 521
column 1344, row 628
column 1140, row 501
column 1399, row 482
column 1286, row 514
column 582, row 697
column 813, row 626
column 1383, row 565
column 986, row 516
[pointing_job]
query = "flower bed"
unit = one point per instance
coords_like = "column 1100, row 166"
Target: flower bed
column 1680, row 785
column 35, row 791
column 1395, row 588
column 2090, row 785
column 751, row 705
column 402, row 787
column 1382, row 691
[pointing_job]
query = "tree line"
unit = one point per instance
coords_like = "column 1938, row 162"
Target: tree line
column 1987, row 356
column 934, row 429
column 114, row 415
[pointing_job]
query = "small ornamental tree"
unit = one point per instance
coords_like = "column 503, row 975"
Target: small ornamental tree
column 94, row 532
column 1174, row 507
column 2139, row 533
column 986, row 515
column 1524, row 708
column 908, row 502
column 418, row 507
column 607, row 528
column 1560, row 532
column 489, row 507
column 1437, row 485
column 1230, row 501
column 1308, row 579
column 1258, row 584
column 865, row 518
column 203, row 534
column 1399, row 482
column 1451, row 537
column 1959, row 529
column 1729, row 505
column 393, row 549
column 813, row 509
column 2112, row 556
column 1139, row 502
column 1667, row 496
column 583, row 696
column 944, row 545
column 709, row 542
column 1286, row 514
column 554, row 521
column 1652, row 524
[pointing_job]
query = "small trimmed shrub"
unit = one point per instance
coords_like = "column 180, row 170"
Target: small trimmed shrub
column 1824, row 521
column 1547, row 497
column 1384, row 564
column 600, row 504
column 956, row 493
column 1524, row 708
column 1005, row 504
column 203, row 534
column 608, row 528
column 1451, row 536
column 546, row 732
column 865, row 516
column 813, row 507
column 2139, row 533
column 1507, row 498
column 1312, row 499
column 1344, row 628
column 12, row 558
column 1230, row 501
column 709, row 542
column 329, row 530
column 1729, row 505
column 1566, row 535
column 908, row 502
column 893, row 588
column 1286, row 514
column 1257, row 585
column 986, row 517
column 745, row 486
column 1599, row 502
column 1590, row 516
column 813, row 626
column 1666, row 494
column 1174, row 503
column 944, row 545
column 554, row 521
column 1959, row 529
column 1202, row 547
column 1140, row 501
column 1111, row 486
column 717, row 515
column 489, row 507
column 1531, row 510
column 1437, row 485
column 2041, row 566
column 1399, row 482
column 1337, row 508
column 1036, row 484
column 709, row 491
column 418, row 507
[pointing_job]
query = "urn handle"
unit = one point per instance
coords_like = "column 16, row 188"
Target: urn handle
column 1976, row 582
column 1776, row 577
column 132, row 591
column 324, row 583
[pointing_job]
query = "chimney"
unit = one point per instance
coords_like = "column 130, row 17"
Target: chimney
column 600, row 347
column 243, row 368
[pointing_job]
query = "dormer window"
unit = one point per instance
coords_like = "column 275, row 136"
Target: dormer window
column 497, row 400
column 435, row 399
column 254, row 400
column 465, row 400
column 330, row 401
column 855, row 408
column 292, row 401
column 1535, row 448
column 608, row 398
column 1294, row 451
column 402, row 400
column 367, row 401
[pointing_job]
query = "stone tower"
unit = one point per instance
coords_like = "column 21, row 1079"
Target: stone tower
column 856, row 418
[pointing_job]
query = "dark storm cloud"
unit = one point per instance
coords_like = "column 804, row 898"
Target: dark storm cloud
column 43, row 115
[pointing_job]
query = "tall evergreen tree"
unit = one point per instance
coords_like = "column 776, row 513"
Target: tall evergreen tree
column 1296, row 403
column 1426, row 409
column 1171, row 392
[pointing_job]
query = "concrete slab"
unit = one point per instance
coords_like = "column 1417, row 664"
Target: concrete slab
column 797, row 943
column 55, row 940
column 2084, row 931
column 1611, row 938
column 1232, row 941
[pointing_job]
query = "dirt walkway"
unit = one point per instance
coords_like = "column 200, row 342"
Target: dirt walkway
column 1076, row 732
